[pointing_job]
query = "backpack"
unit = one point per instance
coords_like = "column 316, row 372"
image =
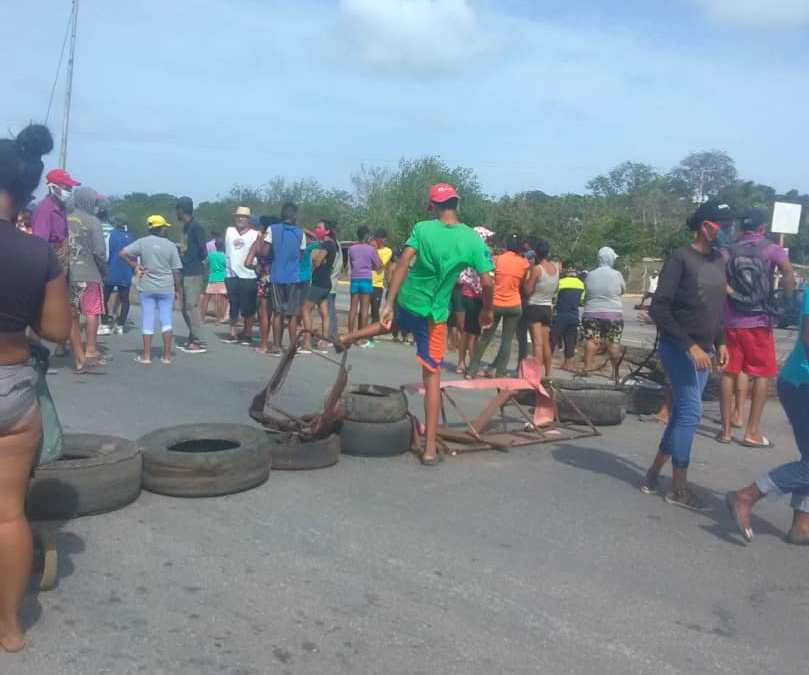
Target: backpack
column 750, row 277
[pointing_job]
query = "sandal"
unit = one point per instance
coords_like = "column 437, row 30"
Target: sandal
column 143, row 361
column 165, row 361
column 766, row 444
column 650, row 484
column 433, row 461
column 721, row 438
column 686, row 500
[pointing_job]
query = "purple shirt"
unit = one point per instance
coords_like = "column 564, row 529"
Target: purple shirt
column 363, row 259
column 48, row 221
column 777, row 256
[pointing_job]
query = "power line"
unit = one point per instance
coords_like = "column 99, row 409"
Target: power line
column 59, row 67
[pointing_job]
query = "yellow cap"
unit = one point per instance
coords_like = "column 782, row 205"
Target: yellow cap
column 157, row 221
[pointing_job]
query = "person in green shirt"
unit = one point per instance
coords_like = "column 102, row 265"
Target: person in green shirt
column 216, row 289
column 418, row 299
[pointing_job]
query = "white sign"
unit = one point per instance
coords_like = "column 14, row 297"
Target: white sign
column 786, row 218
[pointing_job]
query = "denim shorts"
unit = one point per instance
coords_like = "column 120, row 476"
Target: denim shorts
column 361, row 287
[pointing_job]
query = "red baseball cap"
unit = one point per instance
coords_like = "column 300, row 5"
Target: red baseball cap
column 61, row 178
column 442, row 192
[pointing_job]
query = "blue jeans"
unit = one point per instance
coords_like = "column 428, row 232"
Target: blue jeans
column 687, row 385
column 792, row 477
column 163, row 303
column 332, row 305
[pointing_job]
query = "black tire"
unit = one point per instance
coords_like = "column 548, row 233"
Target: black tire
column 204, row 460
column 376, row 439
column 96, row 474
column 289, row 453
column 644, row 397
column 373, row 403
column 603, row 407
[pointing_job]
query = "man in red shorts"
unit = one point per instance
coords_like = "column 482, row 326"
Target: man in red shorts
column 436, row 252
column 751, row 263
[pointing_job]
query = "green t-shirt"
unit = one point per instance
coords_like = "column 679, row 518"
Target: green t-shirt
column 442, row 253
column 216, row 267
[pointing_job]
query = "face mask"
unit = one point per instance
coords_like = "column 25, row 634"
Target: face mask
column 60, row 194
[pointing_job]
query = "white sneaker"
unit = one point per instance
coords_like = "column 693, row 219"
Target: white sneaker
column 103, row 329
column 117, row 330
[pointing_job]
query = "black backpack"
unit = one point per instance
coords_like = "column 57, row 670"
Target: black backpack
column 750, row 277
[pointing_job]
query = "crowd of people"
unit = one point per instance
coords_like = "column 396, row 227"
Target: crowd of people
column 64, row 281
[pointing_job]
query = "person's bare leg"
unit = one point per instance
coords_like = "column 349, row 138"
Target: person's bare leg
column 760, row 390
column 263, row 325
column 203, row 305
column 167, row 344
column 277, row 327
column 727, row 387
column 366, row 333
column 91, row 330
column 112, row 307
column 742, row 389
column 147, row 348
column 665, row 409
column 76, row 345
column 293, row 330
column 248, row 325
column 353, row 309
column 365, row 305
column 746, row 498
column 614, row 354
column 467, row 347
column 547, row 351
column 590, row 347
column 649, row 483
column 432, row 406
column 800, row 524
column 307, row 323
column 18, row 447
column 221, row 308
column 537, row 345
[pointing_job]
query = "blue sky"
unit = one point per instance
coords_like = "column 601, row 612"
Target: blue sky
column 194, row 96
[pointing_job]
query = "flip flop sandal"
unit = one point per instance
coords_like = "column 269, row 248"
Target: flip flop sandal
column 165, row 362
column 766, row 444
column 142, row 361
column 730, row 502
column 719, row 438
column 433, row 461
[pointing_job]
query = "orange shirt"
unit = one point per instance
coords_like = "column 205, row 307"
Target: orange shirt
column 509, row 271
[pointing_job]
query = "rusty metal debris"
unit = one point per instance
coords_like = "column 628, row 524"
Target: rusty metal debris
column 309, row 426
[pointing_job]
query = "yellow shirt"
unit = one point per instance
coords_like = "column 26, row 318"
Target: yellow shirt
column 378, row 276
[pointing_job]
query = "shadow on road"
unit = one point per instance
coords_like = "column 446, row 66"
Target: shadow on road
column 627, row 471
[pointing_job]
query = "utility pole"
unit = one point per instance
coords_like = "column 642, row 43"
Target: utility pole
column 69, row 92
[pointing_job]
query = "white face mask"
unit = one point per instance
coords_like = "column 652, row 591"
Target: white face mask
column 61, row 194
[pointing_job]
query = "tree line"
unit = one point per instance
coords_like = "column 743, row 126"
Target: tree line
column 634, row 208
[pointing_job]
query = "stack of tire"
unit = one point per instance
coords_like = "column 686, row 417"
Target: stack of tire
column 376, row 422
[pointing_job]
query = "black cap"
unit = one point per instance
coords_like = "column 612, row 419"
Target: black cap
column 186, row 205
column 753, row 219
column 711, row 210
column 120, row 219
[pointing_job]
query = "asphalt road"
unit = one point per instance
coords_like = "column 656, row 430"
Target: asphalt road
column 545, row 559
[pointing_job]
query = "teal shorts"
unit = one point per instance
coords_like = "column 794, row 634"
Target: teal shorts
column 361, row 287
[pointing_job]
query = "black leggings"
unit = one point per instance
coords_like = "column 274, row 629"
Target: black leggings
column 123, row 298
column 376, row 301
column 565, row 329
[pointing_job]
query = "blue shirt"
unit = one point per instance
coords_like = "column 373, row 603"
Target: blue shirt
column 118, row 272
column 286, row 240
column 796, row 369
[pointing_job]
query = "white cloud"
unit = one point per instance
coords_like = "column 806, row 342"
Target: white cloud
column 759, row 12
column 416, row 35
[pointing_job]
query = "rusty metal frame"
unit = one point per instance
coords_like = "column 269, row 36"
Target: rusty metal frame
column 312, row 425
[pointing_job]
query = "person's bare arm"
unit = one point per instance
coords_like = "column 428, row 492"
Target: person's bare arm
column 529, row 282
column 788, row 278
column 487, row 286
column 318, row 256
column 178, row 283
column 253, row 252
column 402, row 268
column 55, row 318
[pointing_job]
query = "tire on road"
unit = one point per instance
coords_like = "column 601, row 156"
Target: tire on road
column 603, row 407
column 376, row 439
column 644, row 397
column 374, row 403
column 204, row 460
column 95, row 474
column 289, row 453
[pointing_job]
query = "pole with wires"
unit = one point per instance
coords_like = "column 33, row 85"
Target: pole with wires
column 69, row 92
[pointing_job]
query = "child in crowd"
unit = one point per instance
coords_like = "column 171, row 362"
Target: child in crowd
column 364, row 259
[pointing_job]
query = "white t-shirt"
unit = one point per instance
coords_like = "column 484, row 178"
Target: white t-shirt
column 237, row 246
column 653, row 284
